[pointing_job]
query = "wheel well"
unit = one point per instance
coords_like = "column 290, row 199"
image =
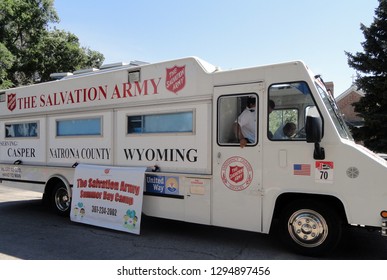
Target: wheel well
column 331, row 201
column 53, row 181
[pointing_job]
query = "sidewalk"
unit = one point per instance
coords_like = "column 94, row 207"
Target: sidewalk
column 8, row 193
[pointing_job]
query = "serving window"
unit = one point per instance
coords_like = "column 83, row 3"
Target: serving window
column 177, row 122
column 79, row 127
column 22, row 130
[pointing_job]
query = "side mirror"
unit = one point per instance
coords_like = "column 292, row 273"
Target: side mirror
column 313, row 130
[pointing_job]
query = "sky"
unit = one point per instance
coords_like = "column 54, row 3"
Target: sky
column 228, row 34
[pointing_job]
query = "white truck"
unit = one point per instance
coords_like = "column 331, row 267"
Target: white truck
column 180, row 116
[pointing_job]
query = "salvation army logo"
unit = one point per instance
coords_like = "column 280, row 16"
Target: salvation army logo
column 11, row 101
column 237, row 173
column 175, row 80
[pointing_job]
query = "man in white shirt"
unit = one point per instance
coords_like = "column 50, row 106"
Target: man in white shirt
column 246, row 124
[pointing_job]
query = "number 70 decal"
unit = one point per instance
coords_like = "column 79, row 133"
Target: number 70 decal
column 324, row 171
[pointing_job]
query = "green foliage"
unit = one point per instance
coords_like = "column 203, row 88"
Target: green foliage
column 60, row 51
column 31, row 50
column 281, row 117
column 6, row 61
column 371, row 65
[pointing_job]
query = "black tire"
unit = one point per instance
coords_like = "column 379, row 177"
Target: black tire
column 60, row 199
column 310, row 228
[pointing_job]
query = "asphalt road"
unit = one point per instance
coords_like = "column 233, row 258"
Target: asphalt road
column 28, row 231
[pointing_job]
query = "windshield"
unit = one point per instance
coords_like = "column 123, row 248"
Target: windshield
column 334, row 112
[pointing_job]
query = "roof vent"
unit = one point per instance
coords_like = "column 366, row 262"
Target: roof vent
column 58, row 76
column 113, row 65
column 85, row 71
column 138, row 63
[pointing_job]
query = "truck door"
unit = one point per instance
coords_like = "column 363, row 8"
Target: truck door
column 236, row 196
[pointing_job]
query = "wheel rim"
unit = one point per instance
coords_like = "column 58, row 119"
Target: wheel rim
column 308, row 228
column 62, row 200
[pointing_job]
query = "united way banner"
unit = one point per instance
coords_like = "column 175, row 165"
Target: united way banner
column 109, row 197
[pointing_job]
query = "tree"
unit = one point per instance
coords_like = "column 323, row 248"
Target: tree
column 33, row 50
column 60, row 51
column 372, row 63
column 22, row 23
column 6, row 61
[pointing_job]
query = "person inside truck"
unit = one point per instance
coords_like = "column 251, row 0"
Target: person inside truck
column 270, row 109
column 285, row 131
column 245, row 125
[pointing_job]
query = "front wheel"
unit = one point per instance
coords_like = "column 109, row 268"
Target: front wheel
column 60, row 199
column 310, row 228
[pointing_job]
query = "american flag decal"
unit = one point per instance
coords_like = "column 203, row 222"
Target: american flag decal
column 301, row 169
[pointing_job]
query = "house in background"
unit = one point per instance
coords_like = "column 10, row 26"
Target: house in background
column 345, row 103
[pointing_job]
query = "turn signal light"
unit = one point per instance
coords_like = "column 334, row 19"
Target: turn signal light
column 384, row 214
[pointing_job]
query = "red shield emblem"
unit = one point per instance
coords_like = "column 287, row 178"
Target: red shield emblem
column 11, row 101
column 175, row 80
column 236, row 173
